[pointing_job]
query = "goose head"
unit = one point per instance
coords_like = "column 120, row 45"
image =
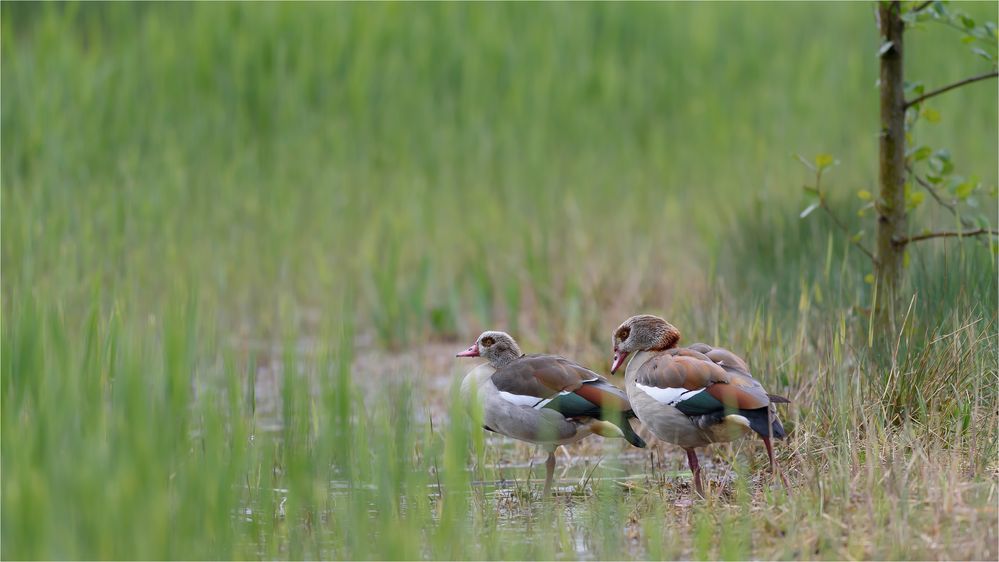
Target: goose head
column 499, row 348
column 642, row 333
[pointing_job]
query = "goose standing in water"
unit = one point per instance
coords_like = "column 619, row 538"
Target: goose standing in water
column 692, row 396
column 543, row 399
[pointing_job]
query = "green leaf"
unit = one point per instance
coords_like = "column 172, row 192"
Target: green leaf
column 967, row 21
column 965, row 189
column 982, row 53
column 864, row 195
column 823, row 160
column 940, row 163
column 921, row 153
column 968, row 39
column 905, row 259
column 915, row 199
column 804, row 161
column 931, row 115
column 857, row 237
column 808, row 210
column 869, row 279
column 914, row 88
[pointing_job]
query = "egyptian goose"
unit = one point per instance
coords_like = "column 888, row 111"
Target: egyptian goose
column 543, row 399
column 692, row 396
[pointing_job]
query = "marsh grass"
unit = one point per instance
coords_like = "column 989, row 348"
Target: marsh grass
column 130, row 454
column 217, row 216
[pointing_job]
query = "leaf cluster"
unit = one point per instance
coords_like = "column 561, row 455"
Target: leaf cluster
column 980, row 37
column 930, row 168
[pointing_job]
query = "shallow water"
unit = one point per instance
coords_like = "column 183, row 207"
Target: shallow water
column 506, row 491
column 513, row 500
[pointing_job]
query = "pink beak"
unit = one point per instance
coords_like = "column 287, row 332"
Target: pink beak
column 619, row 357
column 472, row 351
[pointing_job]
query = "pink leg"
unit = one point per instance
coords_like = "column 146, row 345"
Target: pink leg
column 549, row 473
column 770, row 452
column 695, row 467
column 773, row 464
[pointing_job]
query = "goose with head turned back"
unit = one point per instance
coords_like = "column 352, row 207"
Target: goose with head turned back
column 543, row 399
column 692, row 396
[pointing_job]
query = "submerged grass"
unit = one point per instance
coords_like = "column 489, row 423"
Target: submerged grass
column 220, row 218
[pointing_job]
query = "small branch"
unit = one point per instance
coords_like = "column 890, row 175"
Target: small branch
column 841, row 226
column 949, row 87
column 922, row 6
column 960, row 29
column 949, row 206
column 835, row 219
column 945, row 234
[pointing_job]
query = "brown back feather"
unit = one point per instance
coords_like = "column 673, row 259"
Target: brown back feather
column 723, row 375
column 541, row 375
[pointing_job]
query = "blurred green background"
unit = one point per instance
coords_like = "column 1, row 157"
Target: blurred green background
column 383, row 176
column 443, row 154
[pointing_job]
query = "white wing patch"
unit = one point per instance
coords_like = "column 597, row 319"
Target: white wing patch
column 670, row 396
column 519, row 399
column 529, row 401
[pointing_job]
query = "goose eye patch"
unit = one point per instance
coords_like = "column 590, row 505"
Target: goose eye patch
column 488, row 341
column 623, row 333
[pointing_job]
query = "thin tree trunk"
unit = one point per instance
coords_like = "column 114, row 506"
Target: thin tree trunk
column 891, row 203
